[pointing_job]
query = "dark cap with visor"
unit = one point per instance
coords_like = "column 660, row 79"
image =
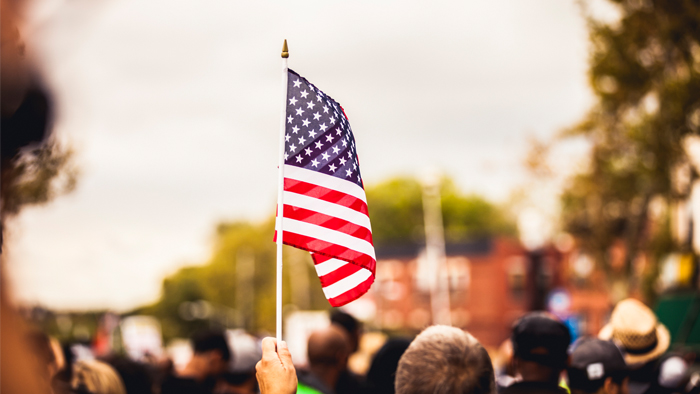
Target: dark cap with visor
column 592, row 361
column 542, row 339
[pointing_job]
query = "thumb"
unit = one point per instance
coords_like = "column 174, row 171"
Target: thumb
column 268, row 349
column 284, row 355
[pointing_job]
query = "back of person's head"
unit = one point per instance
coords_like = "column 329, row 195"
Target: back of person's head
column 540, row 346
column 445, row 360
column 350, row 324
column 136, row 376
column 328, row 347
column 671, row 375
column 96, row 377
column 382, row 371
column 596, row 364
column 211, row 340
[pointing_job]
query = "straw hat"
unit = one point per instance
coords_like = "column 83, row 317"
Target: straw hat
column 633, row 326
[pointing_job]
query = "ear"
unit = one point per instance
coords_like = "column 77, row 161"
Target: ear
column 610, row 386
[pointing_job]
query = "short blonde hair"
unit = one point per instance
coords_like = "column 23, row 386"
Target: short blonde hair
column 445, row 360
column 97, row 377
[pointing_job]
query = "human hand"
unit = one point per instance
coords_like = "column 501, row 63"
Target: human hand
column 275, row 372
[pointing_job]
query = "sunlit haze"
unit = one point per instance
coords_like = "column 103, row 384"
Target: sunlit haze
column 173, row 109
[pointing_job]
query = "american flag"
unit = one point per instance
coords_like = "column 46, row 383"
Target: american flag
column 325, row 209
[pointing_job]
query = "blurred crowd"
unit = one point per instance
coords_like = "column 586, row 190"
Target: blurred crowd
column 630, row 355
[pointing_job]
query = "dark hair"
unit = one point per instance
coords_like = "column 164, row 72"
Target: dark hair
column 208, row 340
column 136, row 376
column 382, row 372
column 345, row 320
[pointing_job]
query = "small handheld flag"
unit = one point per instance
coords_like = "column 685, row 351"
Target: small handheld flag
column 324, row 205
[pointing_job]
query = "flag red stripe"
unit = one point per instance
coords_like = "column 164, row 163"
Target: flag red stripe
column 329, row 249
column 325, row 194
column 326, row 221
column 352, row 294
column 340, row 273
column 318, row 259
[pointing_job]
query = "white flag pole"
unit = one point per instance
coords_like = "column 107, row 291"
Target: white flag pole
column 280, row 189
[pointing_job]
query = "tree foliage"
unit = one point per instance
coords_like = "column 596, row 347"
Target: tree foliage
column 37, row 175
column 217, row 284
column 645, row 74
column 396, row 213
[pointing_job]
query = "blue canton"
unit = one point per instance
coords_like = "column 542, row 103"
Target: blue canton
column 318, row 135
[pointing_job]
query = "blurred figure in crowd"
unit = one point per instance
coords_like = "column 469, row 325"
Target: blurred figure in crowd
column 634, row 328
column 445, row 360
column 137, row 377
column 382, row 372
column 352, row 326
column 96, row 377
column 597, row 367
column 26, row 114
column 328, row 351
column 211, row 356
column 503, row 365
column 48, row 361
column 672, row 376
column 539, row 354
column 239, row 377
column 348, row 382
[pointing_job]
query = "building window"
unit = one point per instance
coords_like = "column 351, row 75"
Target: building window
column 516, row 270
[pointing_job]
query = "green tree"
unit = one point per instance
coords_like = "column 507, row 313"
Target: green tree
column 231, row 299
column 396, row 212
column 645, row 73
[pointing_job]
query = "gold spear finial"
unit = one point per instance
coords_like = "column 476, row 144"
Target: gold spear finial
column 285, row 51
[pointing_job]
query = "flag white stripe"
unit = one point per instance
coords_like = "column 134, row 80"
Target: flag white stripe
column 346, row 284
column 327, row 208
column 328, row 235
column 328, row 181
column 329, row 266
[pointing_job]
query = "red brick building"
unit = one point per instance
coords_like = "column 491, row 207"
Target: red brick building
column 492, row 283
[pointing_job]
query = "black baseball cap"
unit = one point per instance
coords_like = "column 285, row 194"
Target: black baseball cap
column 592, row 361
column 542, row 339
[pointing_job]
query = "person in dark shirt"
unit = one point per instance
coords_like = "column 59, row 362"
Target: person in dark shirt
column 348, row 382
column 211, row 356
column 539, row 353
column 382, row 371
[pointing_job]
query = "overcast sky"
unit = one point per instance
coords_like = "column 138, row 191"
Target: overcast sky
column 172, row 107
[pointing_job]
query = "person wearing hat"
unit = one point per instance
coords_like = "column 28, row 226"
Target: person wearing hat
column 597, row 367
column 539, row 354
column 635, row 329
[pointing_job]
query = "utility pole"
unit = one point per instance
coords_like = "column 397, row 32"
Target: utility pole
column 435, row 251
